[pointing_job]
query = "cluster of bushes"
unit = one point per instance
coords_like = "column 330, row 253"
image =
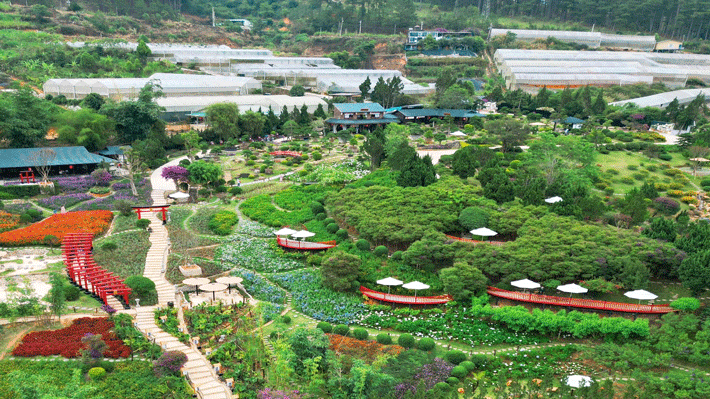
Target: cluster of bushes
column 223, row 222
column 14, row 192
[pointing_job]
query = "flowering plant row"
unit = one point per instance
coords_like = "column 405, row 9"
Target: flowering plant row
column 8, row 221
column 317, row 301
column 256, row 254
column 67, row 341
column 254, row 229
column 259, row 287
column 58, row 225
column 58, row 201
column 366, row 350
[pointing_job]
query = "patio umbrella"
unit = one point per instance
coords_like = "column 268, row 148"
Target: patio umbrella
column 195, row 281
column 572, row 289
column 641, row 295
column 229, row 280
column 578, row 381
column 553, row 200
column 302, row 234
column 214, row 287
column 284, row 232
column 525, row 284
column 415, row 285
column 483, row 232
column 458, row 133
column 179, row 195
column 389, row 282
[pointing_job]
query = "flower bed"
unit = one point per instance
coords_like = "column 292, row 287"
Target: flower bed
column 368, row 351
column 67, row 341
column 347, row 171
column 107, row 203
column 57, row 225
column 58, row 201
column 254, row 229
column 312, row 298
column 75, row 184
column 259, row 287
column 8, row 221
column 256, row 254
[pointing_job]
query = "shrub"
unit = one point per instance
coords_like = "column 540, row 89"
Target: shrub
column 331, row 228
column 320, row 216
column 50, row 240
column 341, row 329
column 686, row 304
column 363, row 245
column 361, row 334
column 455, row 357
column 397, row 256
column 71, row 292
column 328, row 221
column 341, row 235
column 97, row 373
column 169, row 363
column 627, row 180
column 459, row 372
column 665, row 157
column 632, row 167
column 705, row 182
column 384, row 339
column 612, row 171
column 109, row 246
column 478, row 361
column 675, row 193
column 325, row 327
column 406, row 341
column 222, row 222
column 317, row 156
column 14, row 192
column 453, row 381
column 317, row 207
column 236, row 190
column 651, row 168
column 381, row 251
column 142, row 288
column 142, row 223
column 469, row 365
column 690, row 200
column 124, row 207
column 426, row 344
column 286, row 319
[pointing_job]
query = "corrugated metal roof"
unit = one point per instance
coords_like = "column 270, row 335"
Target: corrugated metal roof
column 359, row 107
column 29, row 157
column 424, row 112
column 334, row 121
column 663, row 99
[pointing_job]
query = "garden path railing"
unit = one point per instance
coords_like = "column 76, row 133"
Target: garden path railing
column 579, row 303
column 311, row 246
column 405, row 299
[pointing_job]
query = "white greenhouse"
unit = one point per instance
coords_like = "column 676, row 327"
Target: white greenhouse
column 179, row 108
column 663, row 99
column 589, row 39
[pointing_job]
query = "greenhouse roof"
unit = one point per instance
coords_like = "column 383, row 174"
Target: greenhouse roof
column 663, row 99
column 359, row 107
column 28, row 157
column 248, row 102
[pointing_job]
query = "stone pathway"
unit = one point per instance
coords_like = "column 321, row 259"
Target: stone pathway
column 198, row 369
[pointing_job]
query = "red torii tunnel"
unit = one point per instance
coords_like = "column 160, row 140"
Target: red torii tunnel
column 83, row 270
column 150, row 209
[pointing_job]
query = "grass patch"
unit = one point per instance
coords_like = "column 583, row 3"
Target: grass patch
column 178, row 216
column 622, row 179
column 200, row 220
column 182, row 240
column 123, row 223
column 128, row 259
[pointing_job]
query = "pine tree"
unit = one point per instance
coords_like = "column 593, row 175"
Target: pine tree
column 599, row 103
column 284, row 117
column 320, row 113
column 365, row 88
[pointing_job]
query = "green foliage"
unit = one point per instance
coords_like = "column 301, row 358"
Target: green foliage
column 363, row 245
column 686, row 304
column 361, row 334
column 341, row 235
column 384, row 339
column 325, row 327
column 341, row 329
column 97, row 373
column 13, row 192
column 463, row 281
column 426, row 344
column 57, row 295
column 71, row 293
column 473, row 217
column 142, row 223
column 297, row 91
column 223, row 222
column 406, row 341
column 340, row 270
column 694, row 272
column 455, row 357
column 332, row 228
column 380, row 251
column 286, row 319
column 459, row 372
column 469, row 365
column 142, row 288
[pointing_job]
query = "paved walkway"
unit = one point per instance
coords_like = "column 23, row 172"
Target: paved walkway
column 198, row 369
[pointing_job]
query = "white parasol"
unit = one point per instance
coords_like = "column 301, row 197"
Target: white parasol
column 525, row 284
column 458, row 133
column 578, row 381
column 213, row 287
column 641, row 295
column 553, row 200
column 179, row 195
column 229, row 280
column 415, row 285
column 483, row 232
column 195, row 281
column 284, row 232
column 302, row 234
column 572, row 289
column 389, row 282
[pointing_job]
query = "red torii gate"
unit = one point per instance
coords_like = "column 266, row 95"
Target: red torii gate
column 83, row 270
column 27, row 176
column 155, row 208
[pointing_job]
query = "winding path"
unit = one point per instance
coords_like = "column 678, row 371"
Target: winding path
column 198, row 369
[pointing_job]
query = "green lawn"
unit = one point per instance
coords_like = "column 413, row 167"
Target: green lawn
column 615, row 168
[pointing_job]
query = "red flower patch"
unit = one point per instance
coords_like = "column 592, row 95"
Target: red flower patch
column 58, row 225
column 67, row 341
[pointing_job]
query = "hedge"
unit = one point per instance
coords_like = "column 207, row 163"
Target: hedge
column 13, row 192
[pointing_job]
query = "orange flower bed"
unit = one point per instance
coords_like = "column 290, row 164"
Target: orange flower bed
column 8, row 221
column 365, row 350
column 58, row 225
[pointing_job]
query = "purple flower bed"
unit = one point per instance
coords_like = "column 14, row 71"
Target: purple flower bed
column 269, row 393
column 121, row 186
column 75, row 184
column 58, row 201
column 431, row 374
column 107, row 203
column 17, row 209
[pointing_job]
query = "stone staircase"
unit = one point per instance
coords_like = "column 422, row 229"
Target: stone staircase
column 198, row 369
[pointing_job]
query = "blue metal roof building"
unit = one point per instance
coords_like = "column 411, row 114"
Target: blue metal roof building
column 14, row 159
